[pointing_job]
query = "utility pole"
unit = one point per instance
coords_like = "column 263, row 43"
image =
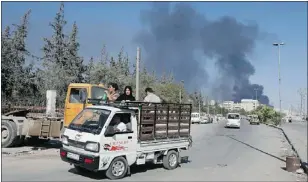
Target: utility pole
column 208, row 105
column 279, row 78
column 220, row 106
column 302, row 93
column 182, row 86
column 199, row 103
column 256, row 89
column 137, row 73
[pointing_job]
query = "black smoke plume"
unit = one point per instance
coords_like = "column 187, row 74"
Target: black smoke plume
column 173, row 35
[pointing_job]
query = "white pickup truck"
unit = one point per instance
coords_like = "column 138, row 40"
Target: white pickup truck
column 111, row 138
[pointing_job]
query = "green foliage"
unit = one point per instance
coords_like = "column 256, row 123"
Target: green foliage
column 268, row 115
column 61, row 65
column 15, row 73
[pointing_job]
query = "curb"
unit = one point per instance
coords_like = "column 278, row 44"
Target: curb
column 304, row 165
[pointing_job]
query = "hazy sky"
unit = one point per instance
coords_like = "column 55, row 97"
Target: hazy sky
column 116, row 23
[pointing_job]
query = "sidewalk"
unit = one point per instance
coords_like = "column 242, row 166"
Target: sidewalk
column 297, row 134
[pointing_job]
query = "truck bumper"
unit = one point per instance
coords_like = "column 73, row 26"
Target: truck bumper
column 88, row 162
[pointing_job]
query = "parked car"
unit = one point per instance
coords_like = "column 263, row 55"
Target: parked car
column 205, row 120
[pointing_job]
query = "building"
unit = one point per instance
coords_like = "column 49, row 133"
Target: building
column 227, row 105
column 237, row 106
column 246, row 104
column 213, row 102
column 249, row 104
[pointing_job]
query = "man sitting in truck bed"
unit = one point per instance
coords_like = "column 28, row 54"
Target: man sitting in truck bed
column 151, row 97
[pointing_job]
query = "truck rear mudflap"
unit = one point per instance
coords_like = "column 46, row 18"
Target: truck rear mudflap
column 88, row 162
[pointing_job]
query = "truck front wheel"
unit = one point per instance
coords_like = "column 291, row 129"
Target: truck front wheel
column 8, row 133
column 170, row 161
column 117, row 169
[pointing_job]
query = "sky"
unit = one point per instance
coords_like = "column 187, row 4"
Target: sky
column 116, row 23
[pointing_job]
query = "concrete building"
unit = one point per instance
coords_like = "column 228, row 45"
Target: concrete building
column 227, row 105
column 249, row 104
column 246, row 104
column 237, row 106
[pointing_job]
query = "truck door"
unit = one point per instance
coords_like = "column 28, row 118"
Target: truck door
column 73, row 104
column 122, row 142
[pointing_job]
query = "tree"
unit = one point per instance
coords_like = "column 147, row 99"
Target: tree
column 74, row 67
column 90, row 72
column 61, row 65
column 15, row 74
column 268, row 114
column 55, row 58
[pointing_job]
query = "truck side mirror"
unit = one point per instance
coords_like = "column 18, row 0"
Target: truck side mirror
column 83, row 95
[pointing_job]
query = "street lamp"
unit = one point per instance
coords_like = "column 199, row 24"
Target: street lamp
column 182, row 86
column 279, row 78
column 256, row 89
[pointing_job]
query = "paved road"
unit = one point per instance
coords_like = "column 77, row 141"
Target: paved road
column 297, row 133
column 254, row 153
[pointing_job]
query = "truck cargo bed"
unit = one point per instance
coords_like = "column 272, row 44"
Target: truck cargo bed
column 161, row 145
column 164, row 121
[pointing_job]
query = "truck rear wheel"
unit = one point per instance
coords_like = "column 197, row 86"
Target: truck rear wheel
column 171, row 160
column 8, row 133
column 117, row 169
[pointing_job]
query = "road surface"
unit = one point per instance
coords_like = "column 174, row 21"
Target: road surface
column 254, row 153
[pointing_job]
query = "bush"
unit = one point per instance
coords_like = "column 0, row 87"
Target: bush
column 268, row 115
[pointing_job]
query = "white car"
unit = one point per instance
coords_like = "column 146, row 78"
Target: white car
column 233, row 120
column 195, row 118
column 205, row 120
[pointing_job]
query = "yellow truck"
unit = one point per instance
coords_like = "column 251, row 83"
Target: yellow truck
column 21, row 124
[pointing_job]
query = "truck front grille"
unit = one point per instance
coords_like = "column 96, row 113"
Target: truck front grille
column 76, row 144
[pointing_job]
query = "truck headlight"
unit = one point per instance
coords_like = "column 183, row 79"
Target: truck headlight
column 92, row 146
column 64, row 140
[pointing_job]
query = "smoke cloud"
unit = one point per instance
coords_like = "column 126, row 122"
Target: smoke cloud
column 173, row 36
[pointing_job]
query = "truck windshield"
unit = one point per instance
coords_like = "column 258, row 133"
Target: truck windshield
column 233, row 116
column 90, row 120
column 97, row 92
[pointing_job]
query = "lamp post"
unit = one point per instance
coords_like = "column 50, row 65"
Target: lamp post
column 137, row 73
column 256, row 89
column 302, row 93
column 279, row 78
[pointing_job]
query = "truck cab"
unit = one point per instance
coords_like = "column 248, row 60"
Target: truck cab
column 112, row 137
column 32, row 122
column 73, row 101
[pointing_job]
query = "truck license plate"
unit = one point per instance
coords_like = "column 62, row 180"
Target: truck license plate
column 73, row 156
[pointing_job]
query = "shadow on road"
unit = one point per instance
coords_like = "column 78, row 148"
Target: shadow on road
column 232, row 128
column 30, row 146
column 257, row 149
column 135, row 169
column 101, row 175
column 92, row 175
column 52, row 144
